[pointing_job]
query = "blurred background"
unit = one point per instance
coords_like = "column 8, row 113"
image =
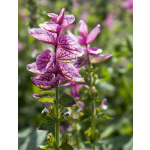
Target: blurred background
column 116, row 20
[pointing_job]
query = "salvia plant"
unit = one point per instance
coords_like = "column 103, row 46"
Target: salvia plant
column 61, row 68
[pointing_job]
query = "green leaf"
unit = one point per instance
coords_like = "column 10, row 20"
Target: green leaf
column 87, row 142
column 91, row 70
column 52, row 142
column 45, row 147
column 100, row 80
column 105, row 116
column 68, row 147
column 47, row 123
column 45, row 96
column 63, row 142
column 64, row 145
column 66, row 100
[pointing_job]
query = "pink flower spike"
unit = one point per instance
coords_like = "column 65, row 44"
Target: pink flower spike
column 55, row 28
column 33, row 68
column 99, row 58
column 50, row 64
column 93, row 34
column 44, row 81
column 81, row 104
column 92, row 51
column 62, row 80
column 48, row 81
column 69, row 72
column 53, row 16
column 43, row 35
column 69, row 84
column 75, row 91
column 68, row 47
column 103, row 106
column 60, row 18
column 42, row 60
column 80, row 62
column 78, row 39
column 65, row 56
column 83, row 29
column 68, row 19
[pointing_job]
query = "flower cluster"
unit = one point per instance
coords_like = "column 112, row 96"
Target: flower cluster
column 85, row 40
column 54, row 69
column 93, row 52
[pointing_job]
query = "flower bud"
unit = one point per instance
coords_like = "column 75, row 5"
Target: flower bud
column 97, row 135
column 87, row 93
column 95, row 76
column 81, row 114
column 97, row 110
column 93, row 90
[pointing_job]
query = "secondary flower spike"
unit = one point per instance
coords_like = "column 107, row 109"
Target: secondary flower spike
column 85, row 38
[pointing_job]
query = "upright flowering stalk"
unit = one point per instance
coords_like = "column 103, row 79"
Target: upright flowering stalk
column 91, row 80
column 53, row 71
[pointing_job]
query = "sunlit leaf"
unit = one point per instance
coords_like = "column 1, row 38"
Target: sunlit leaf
column 45, row 96
column 105, row 116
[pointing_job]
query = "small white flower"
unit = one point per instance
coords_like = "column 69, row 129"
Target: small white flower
column 44, row 110
column 104, row 107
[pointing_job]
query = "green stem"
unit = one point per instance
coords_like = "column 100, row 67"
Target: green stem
column 93, row 102
column 57, row 124
column 93, row 121
column 56, row 105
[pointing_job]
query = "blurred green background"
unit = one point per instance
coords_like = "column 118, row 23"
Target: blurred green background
column 115, row 37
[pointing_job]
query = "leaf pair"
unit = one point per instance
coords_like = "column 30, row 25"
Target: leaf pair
column 49, row 96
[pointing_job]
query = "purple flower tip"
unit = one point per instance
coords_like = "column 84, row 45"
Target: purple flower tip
column 41, row 128
column 47, row 105
column 103, row 106
column 81, row 104
column 74, row 118
column 66, row 115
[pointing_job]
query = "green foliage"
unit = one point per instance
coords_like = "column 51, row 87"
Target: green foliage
column 66, row 100
column 106, row 116
column 92, row 136
column 45, row 96
column 64, row 145
column 47, row 123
